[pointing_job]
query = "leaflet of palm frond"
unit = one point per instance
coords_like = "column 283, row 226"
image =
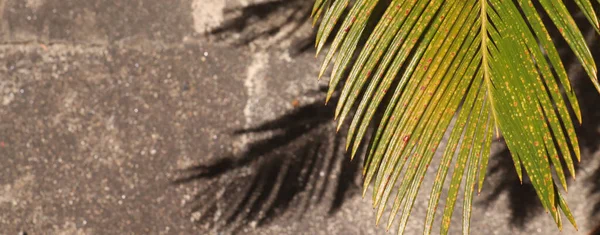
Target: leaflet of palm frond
column 491, row 63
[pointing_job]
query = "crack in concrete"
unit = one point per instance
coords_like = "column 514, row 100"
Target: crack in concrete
column 155, row 45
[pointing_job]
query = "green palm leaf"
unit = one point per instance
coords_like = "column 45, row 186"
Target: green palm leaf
column 490, row 63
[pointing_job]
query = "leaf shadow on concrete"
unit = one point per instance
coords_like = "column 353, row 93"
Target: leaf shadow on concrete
column 265, row 20
column 589, row 134
column 299, row 165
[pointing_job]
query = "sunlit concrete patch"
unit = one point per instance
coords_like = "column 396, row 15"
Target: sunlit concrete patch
column 9, row 88
column 71, row 228
column 256, row 88
column 17, row 192
column 34, row 4
column 207, row 14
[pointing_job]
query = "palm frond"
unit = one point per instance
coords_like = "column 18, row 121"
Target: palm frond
column 490, row 63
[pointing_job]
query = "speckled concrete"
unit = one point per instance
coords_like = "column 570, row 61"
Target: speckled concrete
column 104, row 104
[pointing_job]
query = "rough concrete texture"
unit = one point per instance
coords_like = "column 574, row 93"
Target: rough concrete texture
column 104, row 104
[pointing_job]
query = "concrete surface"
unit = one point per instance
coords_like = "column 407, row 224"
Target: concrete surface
column 104, row 104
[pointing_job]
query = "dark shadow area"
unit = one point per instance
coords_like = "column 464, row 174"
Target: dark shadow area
column 589, row 133
column 523, row 201
column 300, row 164
column 263, row 20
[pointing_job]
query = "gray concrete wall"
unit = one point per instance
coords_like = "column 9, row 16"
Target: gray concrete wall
column 104, row 104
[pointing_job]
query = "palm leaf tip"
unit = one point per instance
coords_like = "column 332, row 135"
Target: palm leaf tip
column 490, row 65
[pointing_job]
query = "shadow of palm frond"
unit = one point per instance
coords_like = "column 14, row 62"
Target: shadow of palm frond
column 299, row 165
column 589, row 133
column 267, row 19
column 522, row 198
column 279, row 20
